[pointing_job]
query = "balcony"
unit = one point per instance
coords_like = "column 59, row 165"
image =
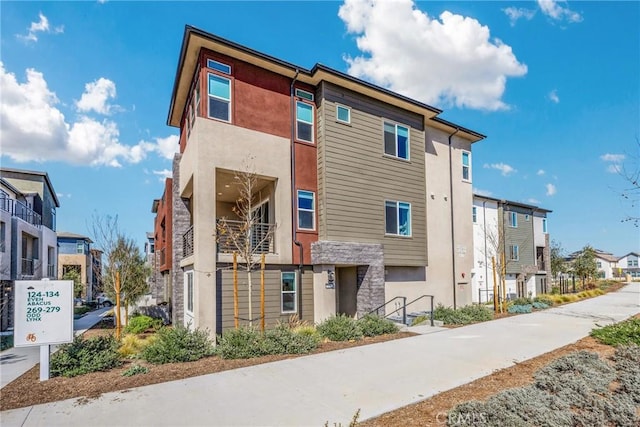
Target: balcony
column 232, row 237
column 20, row 210
column 27, row 267
column 187, row 243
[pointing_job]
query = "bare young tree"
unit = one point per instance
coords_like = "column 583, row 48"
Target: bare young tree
column 246, row 235
column 631, row 194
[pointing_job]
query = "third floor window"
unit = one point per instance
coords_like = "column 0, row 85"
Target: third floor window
column 219, row 98
column 396, row 140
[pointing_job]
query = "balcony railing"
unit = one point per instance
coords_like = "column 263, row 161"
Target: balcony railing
column 20, row 210
column 232, row 237
column 187, row 243
column 27, row 267
column 51, row 271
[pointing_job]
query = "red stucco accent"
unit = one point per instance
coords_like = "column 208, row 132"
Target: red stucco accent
column 163, row 241
column 306, row 179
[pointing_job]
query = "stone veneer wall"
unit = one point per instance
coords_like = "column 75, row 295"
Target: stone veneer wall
column 181, row 221
column 369, row 259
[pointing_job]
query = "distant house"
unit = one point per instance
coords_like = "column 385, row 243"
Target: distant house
column 516, row 233
column 606, row 262
column 628, row 264
column 28, row 246
column 75, row 253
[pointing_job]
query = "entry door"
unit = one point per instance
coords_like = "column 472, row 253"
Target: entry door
column 346, row 282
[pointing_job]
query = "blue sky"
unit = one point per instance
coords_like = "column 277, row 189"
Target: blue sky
column 555, row 86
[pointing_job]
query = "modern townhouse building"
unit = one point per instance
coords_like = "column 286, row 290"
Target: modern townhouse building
column 513, row 235
column 607, row 264
column 75, row 254
column 163, row 243
column 28, row 246
column 362, row 194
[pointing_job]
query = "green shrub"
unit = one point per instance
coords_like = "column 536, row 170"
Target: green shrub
column 178, row 344
column 283, row 340
column 241, row 343
column 6, row 341
column 627, row 365
column 463, row 315
column 521, row 301
column 540, row 305
column 545, row 299
column 135, row 370
column 626, row 332
column 340, row 328
column 83, row 356
column 519, row 309
column 142, row 323
column 420, row 320
column 79, row 311
column 246, row 342
column 372, row 325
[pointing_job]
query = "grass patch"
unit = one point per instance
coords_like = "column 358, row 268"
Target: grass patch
column 621, row 333
column 132, row 345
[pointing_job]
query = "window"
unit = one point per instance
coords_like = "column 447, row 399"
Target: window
column 474, row 214
column 599, row 264
column 514, row 254
column 396, row 140
column 343, row 114
column 306, row 210
column 79, row 247
column 304, row 94
column 526, row 217
column 3, row 236
column 397, row 217
column 188, row 281
column 304, row 118
column 219, row 66
column 513, row 219
column 219, row 98
column 544, row 225
column 288, row 298
column 466, row 166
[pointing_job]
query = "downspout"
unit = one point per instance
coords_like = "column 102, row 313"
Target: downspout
column 294, row 232
column 453, row 246
column 486, row 263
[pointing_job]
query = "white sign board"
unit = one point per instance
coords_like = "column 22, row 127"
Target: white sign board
column 43, row 312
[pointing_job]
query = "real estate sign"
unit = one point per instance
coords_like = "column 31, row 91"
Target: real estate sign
column 43, row 312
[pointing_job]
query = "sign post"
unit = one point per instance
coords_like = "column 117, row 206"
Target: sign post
column 43, row 316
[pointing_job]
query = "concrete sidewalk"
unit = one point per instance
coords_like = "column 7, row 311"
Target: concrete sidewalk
column 17, row 360
column 310, row 390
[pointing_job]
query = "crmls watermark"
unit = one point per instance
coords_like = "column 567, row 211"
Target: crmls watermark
column 462, row 419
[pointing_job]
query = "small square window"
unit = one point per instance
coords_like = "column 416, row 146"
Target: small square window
column 218, row 66
column 343, row 114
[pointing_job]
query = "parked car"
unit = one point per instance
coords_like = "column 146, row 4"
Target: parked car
column 104, row 301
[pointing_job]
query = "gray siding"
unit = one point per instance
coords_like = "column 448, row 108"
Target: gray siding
column 355, row 177
column 522, row 235
column 272, row 297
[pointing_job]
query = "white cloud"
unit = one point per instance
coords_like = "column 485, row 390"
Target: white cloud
column 32, row 128
column 540, row 172
column 553, row 96
column 96, row 96
column 480, row 192
column 515, row 13
column 553, row 10
column 551, row 189
column 167, row 147
column 615, row 158
column 504, row 168
column 42, row 26
column 163, row 174
column 451, row 60
column 615, row 162
column 533, row 201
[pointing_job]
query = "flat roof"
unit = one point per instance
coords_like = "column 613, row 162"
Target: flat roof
column 36, row 173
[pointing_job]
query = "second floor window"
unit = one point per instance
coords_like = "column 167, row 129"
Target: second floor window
column 397, row 217
column 304, row 121
column 396, row 140
column 514, row 252
column 219, row 98
column 544, row 225
column 306, row 210
column 513, row 219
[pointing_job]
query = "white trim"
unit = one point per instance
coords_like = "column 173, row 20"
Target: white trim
column 309, row 96
column 229, row 101
column 469, row 179
column 348, row 121
column 312, row 210
column 222, row 65
column 313, row 122
column 397, row 234
column 294, row 292
column 395, row 124
column 188, row 302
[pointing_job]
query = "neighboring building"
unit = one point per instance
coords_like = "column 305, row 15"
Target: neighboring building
column 628, row 265
column 514, row 235
column 75, row 253
column 367, row 192
column 607, row 264
column 28, row 247
column 163, row 240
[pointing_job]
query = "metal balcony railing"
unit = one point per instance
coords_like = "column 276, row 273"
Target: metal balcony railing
column 232, row 235
column 187, row 243
column 27, row 267
column 20, row 210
